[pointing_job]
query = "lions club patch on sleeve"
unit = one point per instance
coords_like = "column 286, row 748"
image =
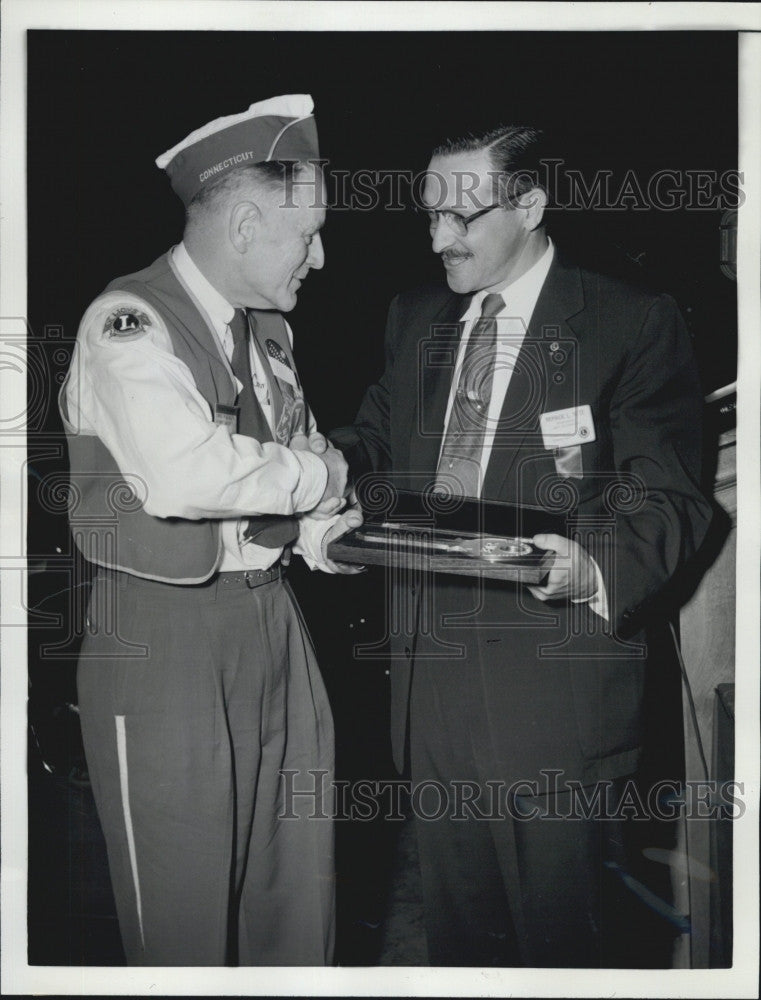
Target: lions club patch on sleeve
column 126, row 323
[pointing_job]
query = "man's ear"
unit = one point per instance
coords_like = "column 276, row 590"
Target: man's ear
column 533, row 203
column 245, row 219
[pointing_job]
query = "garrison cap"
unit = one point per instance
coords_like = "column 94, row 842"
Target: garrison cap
column 281, row 128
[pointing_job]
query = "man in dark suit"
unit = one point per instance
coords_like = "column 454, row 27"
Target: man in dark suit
column 533, row 382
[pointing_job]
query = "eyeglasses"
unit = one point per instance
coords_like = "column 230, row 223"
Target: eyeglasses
column 457, row 223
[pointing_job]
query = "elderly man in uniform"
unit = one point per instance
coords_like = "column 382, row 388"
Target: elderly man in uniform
column 528, row 379
column 190, row 454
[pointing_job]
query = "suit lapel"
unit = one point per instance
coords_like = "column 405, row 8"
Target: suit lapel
column 561, row 298
column 437, row 344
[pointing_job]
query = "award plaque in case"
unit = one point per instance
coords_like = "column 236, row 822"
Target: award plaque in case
column 469, row 538
column 398, row 544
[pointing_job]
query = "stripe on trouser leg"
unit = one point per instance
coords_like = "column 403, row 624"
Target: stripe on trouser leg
column 121, row 750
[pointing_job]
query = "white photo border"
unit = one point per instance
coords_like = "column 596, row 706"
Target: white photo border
column 18, row 16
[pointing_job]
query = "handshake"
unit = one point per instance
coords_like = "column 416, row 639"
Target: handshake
column 334, row 498
column 336, row 489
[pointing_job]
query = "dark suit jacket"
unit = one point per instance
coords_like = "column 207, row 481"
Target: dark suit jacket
column 562, row 689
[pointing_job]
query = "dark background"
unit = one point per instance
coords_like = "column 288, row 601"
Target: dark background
column 103, row 105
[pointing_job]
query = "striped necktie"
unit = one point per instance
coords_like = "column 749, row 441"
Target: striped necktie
column 459, row 470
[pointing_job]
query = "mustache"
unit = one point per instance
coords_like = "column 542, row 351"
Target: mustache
column 454, row 255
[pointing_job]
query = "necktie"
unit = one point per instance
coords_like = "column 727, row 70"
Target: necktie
column 250, row 418
column 272, row 531
column 459, row 470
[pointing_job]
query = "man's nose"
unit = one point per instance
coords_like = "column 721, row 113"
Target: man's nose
column 441, row 235
column 316, row 256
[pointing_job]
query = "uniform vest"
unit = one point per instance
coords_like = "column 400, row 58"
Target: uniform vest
column 107, row 519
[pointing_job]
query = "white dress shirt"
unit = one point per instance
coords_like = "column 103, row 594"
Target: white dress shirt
column 513, row 320
column 141, row 400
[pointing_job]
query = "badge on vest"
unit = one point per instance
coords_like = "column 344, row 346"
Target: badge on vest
column 126, row 323
column 293, row 417
column 227, row 416
column 280, row 365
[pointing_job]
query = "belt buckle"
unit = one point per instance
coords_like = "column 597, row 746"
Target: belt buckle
column 256, row 577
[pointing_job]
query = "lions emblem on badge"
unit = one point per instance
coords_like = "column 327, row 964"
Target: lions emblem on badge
column 126, row 323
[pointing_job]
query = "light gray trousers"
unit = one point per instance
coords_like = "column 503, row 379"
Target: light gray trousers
column 193, row 701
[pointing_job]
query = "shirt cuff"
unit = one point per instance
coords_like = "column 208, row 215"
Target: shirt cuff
column 308, row 545
column 312, row 481
column 598, row 602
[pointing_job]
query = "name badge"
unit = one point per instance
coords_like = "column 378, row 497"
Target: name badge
column 564, row 428
column 227, row 416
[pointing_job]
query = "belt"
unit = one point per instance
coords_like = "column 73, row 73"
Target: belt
column 219, row 582
column 252, row 577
